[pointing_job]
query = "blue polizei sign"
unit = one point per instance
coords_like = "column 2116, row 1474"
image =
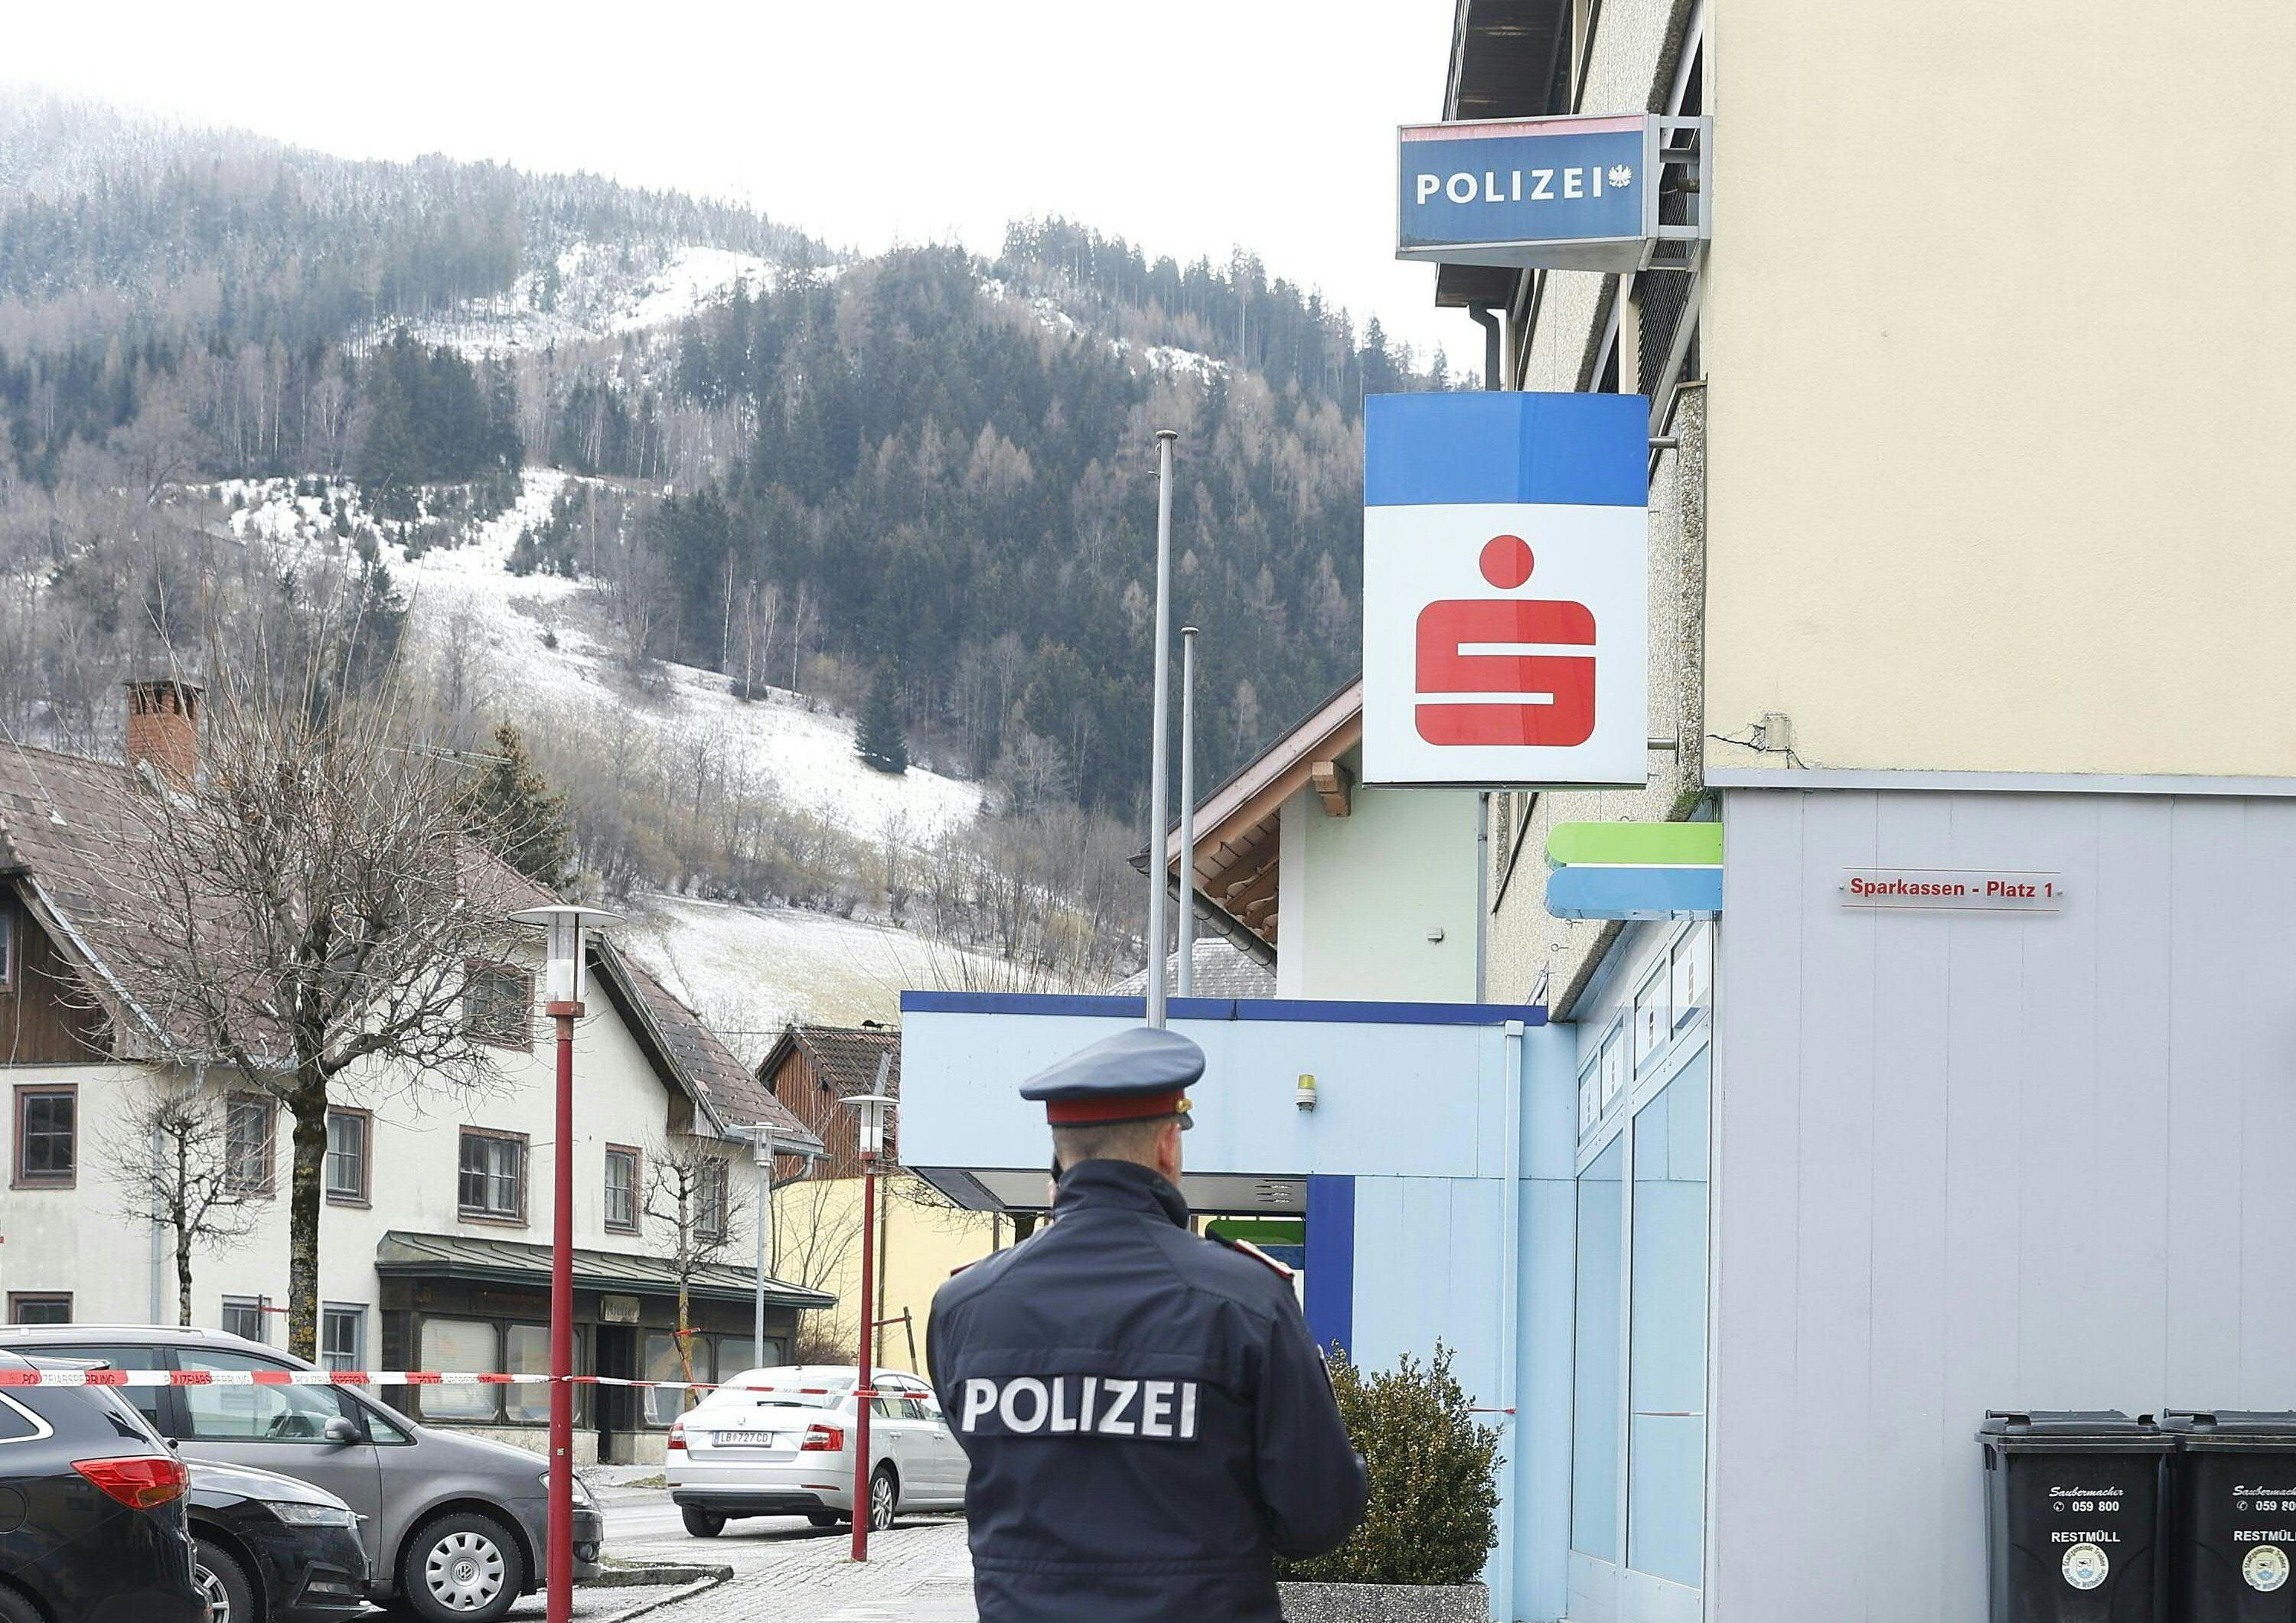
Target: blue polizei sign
column 1577, row 193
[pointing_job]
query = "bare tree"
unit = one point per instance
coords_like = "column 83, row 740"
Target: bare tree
column 171, row 1158
column 693, row 1207
column 305, row 905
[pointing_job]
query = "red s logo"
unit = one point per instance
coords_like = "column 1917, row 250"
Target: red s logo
column 1554, row 692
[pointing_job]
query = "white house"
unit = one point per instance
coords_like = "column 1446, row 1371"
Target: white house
column 434, row 1239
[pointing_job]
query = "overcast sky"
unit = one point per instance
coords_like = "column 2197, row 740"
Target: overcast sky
column 1188, row 125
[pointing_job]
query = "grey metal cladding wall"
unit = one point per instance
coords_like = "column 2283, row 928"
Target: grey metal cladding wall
column 1984, row 1160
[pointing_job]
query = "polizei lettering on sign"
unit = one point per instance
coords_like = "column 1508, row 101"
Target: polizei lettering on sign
column 1577, row 193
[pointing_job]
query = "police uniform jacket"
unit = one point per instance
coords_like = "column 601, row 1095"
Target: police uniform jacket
column 1148, row 1421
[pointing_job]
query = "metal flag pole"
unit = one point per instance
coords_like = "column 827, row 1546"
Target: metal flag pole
column 1187, row 987
column 1157, row 877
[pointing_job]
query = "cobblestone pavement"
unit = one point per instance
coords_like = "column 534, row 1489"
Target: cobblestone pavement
column 785, row 1569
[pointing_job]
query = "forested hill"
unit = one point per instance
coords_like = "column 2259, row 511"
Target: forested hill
column 921, row 468
column 111, row 220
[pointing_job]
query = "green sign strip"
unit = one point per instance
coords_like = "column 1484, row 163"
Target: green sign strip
column 1673, row 845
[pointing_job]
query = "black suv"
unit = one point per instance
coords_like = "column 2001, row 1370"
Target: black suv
column 91, row 1507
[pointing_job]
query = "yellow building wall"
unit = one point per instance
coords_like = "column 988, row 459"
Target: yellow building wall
column 816, row 1240
column 1995, row 321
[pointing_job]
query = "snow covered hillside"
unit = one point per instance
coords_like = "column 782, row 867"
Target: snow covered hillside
column 751, row 971
column 502, row 626
column 596, row 289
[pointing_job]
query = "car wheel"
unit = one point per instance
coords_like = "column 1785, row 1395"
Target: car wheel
column 884, row 1498
column 223, row 1584
column 824, row 1518
column 702, row 1523
column 15, row 1609
column 461, row 1569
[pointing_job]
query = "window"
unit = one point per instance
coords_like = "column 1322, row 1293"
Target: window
column 7, row 949
column 664, row 1404
column 528, row 1353
column 243, row 1316
column 709, row 1202
column 39, row 1308
column 255, row 1413
column 622, row 1188
column 347, row 1136
column 459, row 1344
column 127, row 1355
column 248, row 1132
column 499, row 1004
column 494, row 1178
column 342, row 1337
column 47, row 1133
column 1594, row 1429
column 1666, row 1441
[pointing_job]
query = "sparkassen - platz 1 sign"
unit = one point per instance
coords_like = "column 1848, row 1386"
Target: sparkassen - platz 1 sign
column 1506, row 588
column 1576, row 194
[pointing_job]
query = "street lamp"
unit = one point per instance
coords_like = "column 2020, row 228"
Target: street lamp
column 564, row 980
column 764, row 1145
column 872, row 1107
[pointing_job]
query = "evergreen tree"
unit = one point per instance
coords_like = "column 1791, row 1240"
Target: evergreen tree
column 879, row 740
column 513, row 812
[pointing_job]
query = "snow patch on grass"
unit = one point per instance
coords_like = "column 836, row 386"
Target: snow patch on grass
column 751, row 971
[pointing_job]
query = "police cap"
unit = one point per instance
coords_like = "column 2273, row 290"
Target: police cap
column 1139, row 1074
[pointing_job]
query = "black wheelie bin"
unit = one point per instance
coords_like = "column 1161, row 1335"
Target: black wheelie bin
column 2232, row 1516
column 2072, row 1516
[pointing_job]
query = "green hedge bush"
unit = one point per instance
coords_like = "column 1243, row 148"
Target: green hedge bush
column 1434, row 1515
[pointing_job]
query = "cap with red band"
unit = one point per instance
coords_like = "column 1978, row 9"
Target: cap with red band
column 1140, row 1075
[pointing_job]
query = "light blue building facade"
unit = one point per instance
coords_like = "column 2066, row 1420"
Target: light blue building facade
column 1448, row 1196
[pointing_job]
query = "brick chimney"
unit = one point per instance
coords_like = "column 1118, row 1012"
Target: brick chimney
column 163, row 726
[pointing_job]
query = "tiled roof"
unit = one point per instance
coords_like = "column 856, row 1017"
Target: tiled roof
column 61, row 826
column 846, row 1057
column 705, row 1067
column 60, row 820
column 1221, row 971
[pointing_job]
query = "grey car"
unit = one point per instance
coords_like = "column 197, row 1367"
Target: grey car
column 453, row 1524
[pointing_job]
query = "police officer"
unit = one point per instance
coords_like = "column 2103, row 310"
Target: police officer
column 1148, row 1421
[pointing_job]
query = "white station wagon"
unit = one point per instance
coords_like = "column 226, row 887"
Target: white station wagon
column 779, row 1442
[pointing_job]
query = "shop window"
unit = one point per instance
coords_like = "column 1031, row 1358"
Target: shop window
column 499, row 1005
column 342, row 1337
column 459, row 1344
column 622, row 1188
column 666, row 1404
column 249, row 1131
column 39, row 1308
column 347, row 1132
column 243, row 1316
column 48, row 1137
column 1666, row 1449
column 493, row 1179
column 1595, row 1398
column 527, row 1352
column 734, row 1357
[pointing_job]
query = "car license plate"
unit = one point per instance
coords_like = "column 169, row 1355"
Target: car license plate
column 745, row 1439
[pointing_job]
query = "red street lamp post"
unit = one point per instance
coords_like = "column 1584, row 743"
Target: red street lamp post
column 565, row 929
column 872, row 1107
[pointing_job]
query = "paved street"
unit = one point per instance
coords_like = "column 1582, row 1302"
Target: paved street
column 785, row 1569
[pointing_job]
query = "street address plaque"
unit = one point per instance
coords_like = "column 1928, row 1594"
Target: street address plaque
column 1954, row 889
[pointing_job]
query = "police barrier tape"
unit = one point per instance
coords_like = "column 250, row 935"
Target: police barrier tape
column 356, row 1377
column 401, row 1377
